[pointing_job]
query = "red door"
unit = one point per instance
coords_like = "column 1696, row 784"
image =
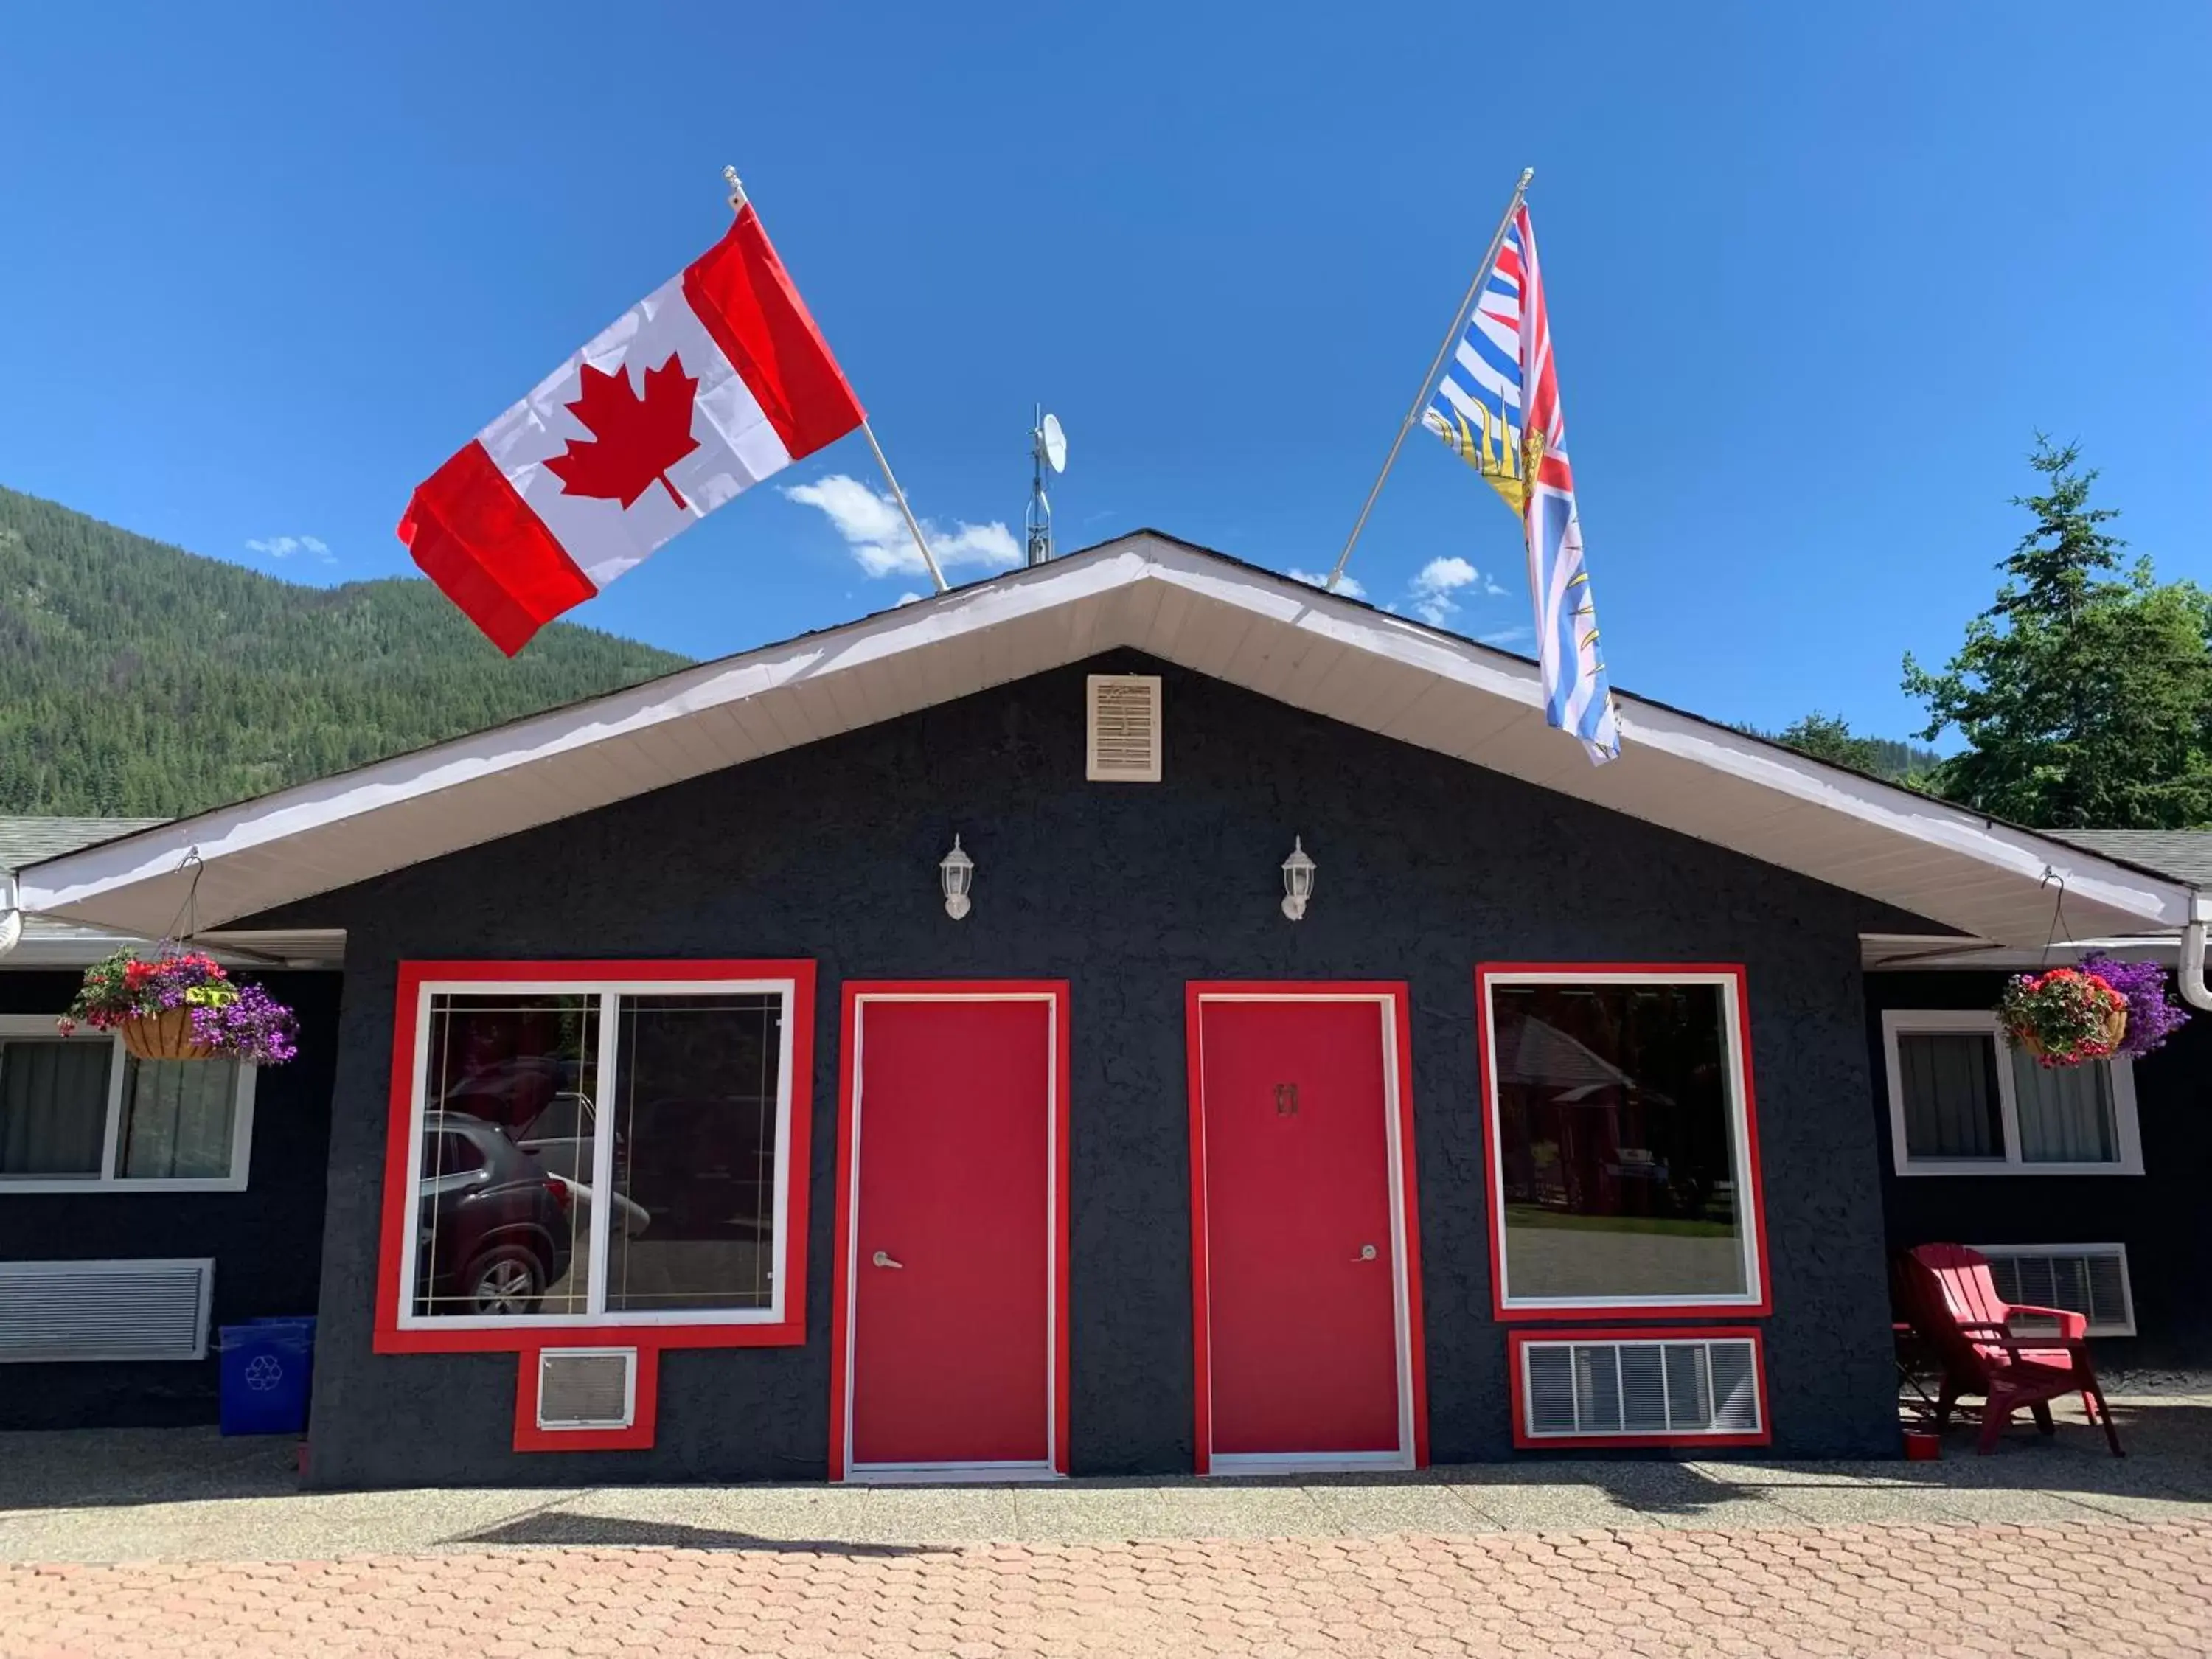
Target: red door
column 1307, row 1316
column 950, row 1231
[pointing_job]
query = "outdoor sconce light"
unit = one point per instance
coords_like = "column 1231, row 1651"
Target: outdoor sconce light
column 955, row 873
column 1298, row 880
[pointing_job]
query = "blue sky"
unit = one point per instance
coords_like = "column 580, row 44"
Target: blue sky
column 1817, row 275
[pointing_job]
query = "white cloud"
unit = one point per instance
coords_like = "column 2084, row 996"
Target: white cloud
column 908, row 599
column 1508, row 636
column 871, row 523
column 1430, row 592
column 283, row 547
column 1349, row 587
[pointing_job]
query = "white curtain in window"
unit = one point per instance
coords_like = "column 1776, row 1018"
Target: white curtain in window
column 177, row 1118
column 2065, row 1112
column 53, row 1105
column 1950, row 1087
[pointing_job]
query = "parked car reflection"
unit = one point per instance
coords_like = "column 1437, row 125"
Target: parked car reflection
column 495, row 1225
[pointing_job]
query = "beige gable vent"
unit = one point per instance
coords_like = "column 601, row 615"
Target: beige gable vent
column 1685, row 1388
column 2090, row 1279
column 105, row 1309
column 586, row 1387
column 1121, row 725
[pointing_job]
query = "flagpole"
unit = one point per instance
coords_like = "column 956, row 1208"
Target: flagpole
column 737, row 200
column 1436, row 363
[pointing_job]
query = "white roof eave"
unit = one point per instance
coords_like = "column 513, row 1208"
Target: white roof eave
column 1269, row 634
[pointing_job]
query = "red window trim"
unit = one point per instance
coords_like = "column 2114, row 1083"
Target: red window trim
column 525, row 1341
column 841, row 1288
column 1516, row 1340
column 1486, row 972
column 1401, row 997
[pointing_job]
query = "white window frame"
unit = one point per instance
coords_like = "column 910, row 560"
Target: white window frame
column 1980, row 1022
column 1750, row 1191
column 110, row 1178
column 610, row 990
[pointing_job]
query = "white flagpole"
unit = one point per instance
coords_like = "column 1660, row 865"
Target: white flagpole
column 738, row 199
column 1436, row 363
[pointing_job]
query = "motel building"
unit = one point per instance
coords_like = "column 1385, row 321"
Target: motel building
column 1137, row 1015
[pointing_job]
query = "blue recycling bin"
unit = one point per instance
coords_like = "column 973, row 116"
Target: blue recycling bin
column 266, row 1366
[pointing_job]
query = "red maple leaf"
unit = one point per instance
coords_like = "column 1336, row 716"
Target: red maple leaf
column 638, row 438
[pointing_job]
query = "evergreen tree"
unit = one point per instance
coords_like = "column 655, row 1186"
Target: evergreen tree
column 2085, row 691
column 1828, row 738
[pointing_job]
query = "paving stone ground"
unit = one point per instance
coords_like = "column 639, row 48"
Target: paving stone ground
column 177, row 1542
column 2115, row 1589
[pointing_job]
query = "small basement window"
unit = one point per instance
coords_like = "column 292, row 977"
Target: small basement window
column 1122, row 727
column 80, row 1113
column 613, row 1148
column 1962, row 1101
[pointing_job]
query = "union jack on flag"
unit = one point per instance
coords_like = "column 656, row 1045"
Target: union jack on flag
column 1498, row 409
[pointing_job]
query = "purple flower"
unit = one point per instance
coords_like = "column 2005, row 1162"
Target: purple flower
column 2153, row 1015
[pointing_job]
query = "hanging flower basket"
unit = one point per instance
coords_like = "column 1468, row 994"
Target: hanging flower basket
column 2153, row 1015
column 2064, row 1016
column 174, row 1004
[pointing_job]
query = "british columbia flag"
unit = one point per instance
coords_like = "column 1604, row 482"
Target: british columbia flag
column 1498, row 408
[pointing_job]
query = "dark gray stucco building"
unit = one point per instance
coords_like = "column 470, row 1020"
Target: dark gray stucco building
column 694, row 1109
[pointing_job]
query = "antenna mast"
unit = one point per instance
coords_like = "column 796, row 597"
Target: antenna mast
column 1047, row 448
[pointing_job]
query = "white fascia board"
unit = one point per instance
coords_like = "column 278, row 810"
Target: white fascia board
column 76, row 883
column 2018, row 853
column 1890, row 843
column 1916, row 820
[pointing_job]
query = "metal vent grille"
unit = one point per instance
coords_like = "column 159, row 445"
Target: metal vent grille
column 2091, row 1279
column 1122, row 724
column 586, row 1387
column 69, row 1311
column 1705, row 1387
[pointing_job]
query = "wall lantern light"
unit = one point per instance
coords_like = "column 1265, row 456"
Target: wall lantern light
column 956, row 871
column 1298, row 880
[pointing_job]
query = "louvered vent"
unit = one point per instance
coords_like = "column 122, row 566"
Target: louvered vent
column 2084, row 1279
column 1122, row 721
column 586, row 1387
column 1707, row 1387
column 53, row 1310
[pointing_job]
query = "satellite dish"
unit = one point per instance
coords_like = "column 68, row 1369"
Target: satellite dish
column 1055, row 444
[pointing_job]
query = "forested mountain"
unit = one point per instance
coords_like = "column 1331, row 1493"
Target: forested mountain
column 138, row 679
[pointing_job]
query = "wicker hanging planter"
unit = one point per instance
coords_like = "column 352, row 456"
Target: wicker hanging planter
column 165, row 1035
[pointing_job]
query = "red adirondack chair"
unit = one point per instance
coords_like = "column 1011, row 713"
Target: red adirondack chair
column 1954, row 1303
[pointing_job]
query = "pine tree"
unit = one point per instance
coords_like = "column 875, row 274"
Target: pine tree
column 2084, row 696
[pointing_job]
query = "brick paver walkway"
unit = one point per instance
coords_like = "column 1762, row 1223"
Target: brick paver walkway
column 2080, row 1589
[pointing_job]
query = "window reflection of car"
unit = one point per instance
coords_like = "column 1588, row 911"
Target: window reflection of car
column 561, row 1136
column 494, row 1223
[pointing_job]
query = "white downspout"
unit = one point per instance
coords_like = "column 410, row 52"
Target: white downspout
column 2190, row 975
column 11, row 919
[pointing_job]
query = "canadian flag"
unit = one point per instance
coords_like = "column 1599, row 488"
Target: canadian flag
column 711, row 383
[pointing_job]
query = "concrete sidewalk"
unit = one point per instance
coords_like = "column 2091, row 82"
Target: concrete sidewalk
column 188, row 1495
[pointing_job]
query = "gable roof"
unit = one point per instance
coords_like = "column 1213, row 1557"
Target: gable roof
column 1186, row 604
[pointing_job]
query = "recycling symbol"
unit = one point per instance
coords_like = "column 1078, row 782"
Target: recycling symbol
column 264, row 1372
